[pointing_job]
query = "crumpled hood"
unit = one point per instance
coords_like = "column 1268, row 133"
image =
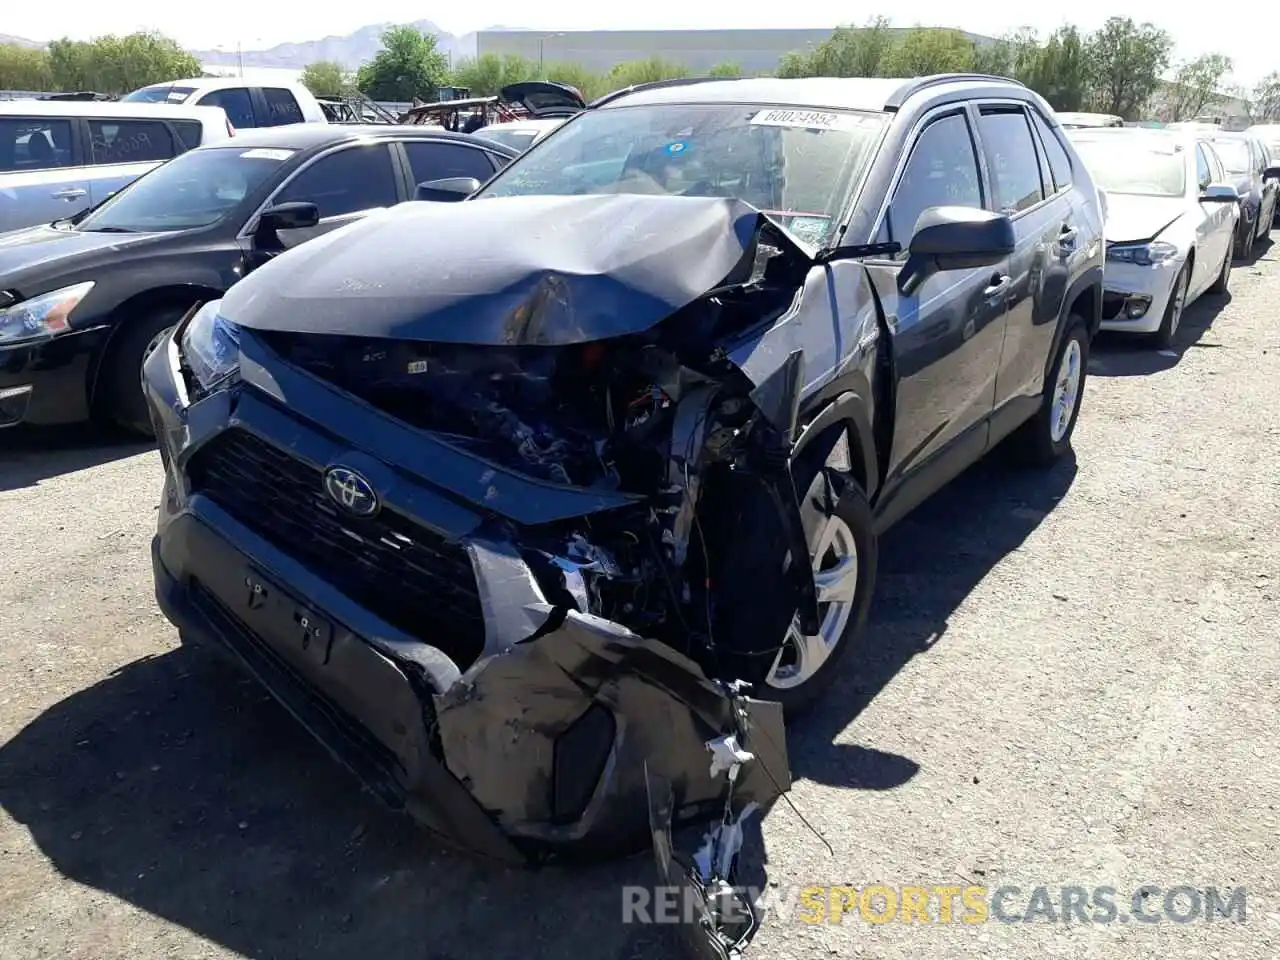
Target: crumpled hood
column 543, row 270
column 41, row 247
column 1132, row 218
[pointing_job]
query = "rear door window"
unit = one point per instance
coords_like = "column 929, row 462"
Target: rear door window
column 235, row 101
column 282, row 107
column 35, row 144
column 1011, row 159
column 130, row 141
column 440, row 160
column 348, row 181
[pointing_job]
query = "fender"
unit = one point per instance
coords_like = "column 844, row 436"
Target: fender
column 1092, row 277
column 851, row 408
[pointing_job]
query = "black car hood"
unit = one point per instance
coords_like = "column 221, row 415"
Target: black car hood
column 546, row 270
column 28, row 256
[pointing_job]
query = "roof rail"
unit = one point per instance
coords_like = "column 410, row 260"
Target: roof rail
column 916, row 84
column 653, row 85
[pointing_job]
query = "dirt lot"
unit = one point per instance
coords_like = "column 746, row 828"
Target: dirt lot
column 1072, row 678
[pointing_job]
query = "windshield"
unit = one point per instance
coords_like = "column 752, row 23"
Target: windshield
column 515, row 139
column 1137, row 166
column 196, row 189
column 795, row 165
column 166, row 93
column 1234, row 154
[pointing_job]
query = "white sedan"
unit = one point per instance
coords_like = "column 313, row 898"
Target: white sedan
column 1171, row 217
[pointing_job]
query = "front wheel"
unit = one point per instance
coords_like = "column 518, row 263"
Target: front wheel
column 1224, row 275
column 756, row 623
column 1168, row 331
column 119, row 393
column 1047, row 435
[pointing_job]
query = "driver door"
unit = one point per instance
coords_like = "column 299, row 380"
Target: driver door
column 1216, row 231
column 947, row 334
column 346, row 185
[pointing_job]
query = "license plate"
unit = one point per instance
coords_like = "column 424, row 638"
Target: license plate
column 270, row 611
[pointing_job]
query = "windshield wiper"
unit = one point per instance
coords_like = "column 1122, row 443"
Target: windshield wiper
column 107, row 230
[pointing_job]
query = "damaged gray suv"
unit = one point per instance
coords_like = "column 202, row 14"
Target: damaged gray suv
column 542, row 508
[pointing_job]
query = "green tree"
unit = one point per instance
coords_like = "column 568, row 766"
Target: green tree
column 484, row 76
column 644, row 71
column 728, row 69
column 119, row 64
column 23, row 68
column 325, row 78
column 855, row 51
column 794, row 64
column 1266, row 98
column 922, row 51
column 1059, row 70
column 587, row 82
column 407, row 67
column 1127, row 60
column 1196, row 83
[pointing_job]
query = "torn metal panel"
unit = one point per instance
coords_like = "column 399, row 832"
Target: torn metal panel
column 503, row 726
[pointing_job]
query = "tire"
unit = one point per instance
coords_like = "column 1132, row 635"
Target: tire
column 1168, row 332
column 1044, row 439
column 1241, row 245
column 1224, row 276
column 754, row 564
column 119, row 395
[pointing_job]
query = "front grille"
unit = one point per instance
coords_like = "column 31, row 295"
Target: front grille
column 398, row 570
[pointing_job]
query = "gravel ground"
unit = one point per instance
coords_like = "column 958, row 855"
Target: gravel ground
column 1071, row 678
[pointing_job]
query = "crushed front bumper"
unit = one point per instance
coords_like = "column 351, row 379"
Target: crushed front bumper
column 544, row 749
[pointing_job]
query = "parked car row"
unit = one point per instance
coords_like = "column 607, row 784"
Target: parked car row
column 1181, row 204
column 512, row 501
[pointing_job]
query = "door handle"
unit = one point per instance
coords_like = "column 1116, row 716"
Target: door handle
column 70, row 193
column 999, row 284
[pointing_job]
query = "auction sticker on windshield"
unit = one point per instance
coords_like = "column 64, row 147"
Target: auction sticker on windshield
column 809, row 119
column 265, row 153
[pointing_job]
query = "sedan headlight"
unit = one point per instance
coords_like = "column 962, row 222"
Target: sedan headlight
column 42, row 317
column 211, row 346
column 1143, row 254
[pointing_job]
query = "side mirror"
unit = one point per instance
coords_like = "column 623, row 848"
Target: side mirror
column 1271, row 173
column 955, row 238
column 1219, row 193
column 448, row 190
column 288, row 216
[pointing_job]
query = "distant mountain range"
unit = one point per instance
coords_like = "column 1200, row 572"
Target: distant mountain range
column 350, row 50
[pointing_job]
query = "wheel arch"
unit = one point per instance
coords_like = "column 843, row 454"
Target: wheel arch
column 1084, row 297
column 142, row 304
column 848, row 413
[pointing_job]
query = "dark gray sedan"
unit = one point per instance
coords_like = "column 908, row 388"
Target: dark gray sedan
column 1256, row 175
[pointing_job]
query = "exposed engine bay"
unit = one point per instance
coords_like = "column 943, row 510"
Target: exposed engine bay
column 660, row 415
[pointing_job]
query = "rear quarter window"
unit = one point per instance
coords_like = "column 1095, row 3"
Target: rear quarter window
column 190, row 134
column 282, row 107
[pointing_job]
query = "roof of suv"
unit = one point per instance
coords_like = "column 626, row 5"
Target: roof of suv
column 842, row 93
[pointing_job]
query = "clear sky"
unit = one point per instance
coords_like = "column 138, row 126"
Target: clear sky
column 1249, row 32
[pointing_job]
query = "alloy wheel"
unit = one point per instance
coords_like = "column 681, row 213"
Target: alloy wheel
column 1066, row 391
column 835, row 574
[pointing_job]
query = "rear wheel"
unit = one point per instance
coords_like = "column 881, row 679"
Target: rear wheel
column 1047, row 435
column 1168, row 331
column 119, row 395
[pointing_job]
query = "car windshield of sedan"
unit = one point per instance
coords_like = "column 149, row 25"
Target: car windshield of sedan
column 1147, row 168
column 1234, row 154
column 795, row 165
column 197, row 189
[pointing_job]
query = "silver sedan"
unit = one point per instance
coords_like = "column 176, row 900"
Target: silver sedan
column 1171, row 217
